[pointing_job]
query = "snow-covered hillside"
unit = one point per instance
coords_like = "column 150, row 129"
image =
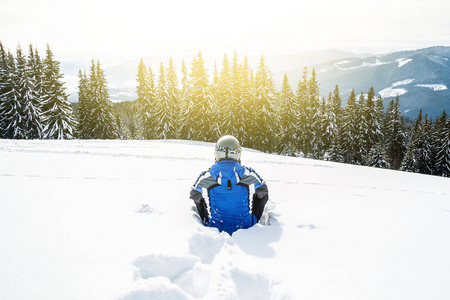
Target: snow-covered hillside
column 112, row 220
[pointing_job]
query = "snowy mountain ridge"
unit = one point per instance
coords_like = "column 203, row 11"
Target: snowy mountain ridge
column 87, row 219
column 430, row 68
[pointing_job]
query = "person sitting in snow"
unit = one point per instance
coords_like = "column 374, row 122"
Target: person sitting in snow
column 229, row 196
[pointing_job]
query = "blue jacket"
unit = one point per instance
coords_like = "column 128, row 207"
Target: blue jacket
column 229, row 196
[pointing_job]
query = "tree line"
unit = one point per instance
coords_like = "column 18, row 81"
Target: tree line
column 245, row 103
column 33, row 102
column 237, row 100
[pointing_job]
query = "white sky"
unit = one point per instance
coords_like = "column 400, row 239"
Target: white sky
column 113, row 30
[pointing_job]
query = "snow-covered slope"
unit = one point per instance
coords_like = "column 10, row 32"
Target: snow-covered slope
column 112, row 220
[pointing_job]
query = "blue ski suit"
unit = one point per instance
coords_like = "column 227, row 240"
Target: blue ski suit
column 229, row 196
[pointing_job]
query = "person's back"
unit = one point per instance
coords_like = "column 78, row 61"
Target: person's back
column 229, row 196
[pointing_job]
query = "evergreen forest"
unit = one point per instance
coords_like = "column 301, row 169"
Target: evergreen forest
column 236, row 100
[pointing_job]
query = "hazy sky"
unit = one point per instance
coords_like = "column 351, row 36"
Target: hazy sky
column 119, row 30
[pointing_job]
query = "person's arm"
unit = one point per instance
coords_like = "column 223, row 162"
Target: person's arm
column 201, row 205
column 260, row 199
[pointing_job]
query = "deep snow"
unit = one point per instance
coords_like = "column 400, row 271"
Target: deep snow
column 112, row 220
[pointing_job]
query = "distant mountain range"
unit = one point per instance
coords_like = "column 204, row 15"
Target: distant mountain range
column 420, row 77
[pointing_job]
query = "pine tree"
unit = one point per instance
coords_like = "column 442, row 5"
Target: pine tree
column 334, row 153
column 350, row 138
column 174, row 96
column 287, row 118
column 11, row 105
column 165, row 108
column 264, row 111
column 439, row 134
column 409, row 163
column 333, row 119
column 247, row 103
column 302, row 100
column 37, row 74
column 371, row 129
column 237, row 100
column 321, row 133
column 224, row 101
column 145, row 91
column 377, row 157
column 313, row 119
column 84, row 109
column 425, row 152
column 27, row 122
column 418, row 157
column 395, row 135
column 215, row 88
column 5, row 90
column 58, row 118
column 203, row 122
column 380, row 119
column 360, row 153
column 186, row 116
column 443, row 155
column 102, row 121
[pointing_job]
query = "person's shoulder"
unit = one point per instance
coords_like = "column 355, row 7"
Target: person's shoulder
column 203, row 174
column 249, row 171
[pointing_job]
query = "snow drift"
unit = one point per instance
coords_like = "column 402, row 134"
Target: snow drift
column 112, row 220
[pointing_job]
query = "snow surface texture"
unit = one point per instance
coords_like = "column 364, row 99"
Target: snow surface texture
column 112, row 220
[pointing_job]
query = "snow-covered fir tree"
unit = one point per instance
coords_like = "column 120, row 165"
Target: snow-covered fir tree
column 58, row 117
column 395, row 135
column 5, row 90
column 377, row 157
column 10, row 106
column 145, row 91
column 302, row 99
column 425, row 158
column 238, row 100
column 322, row 127
column 203, row 121
column 409, row 163
column 166, row 104
column 37, row 73
column 84, row 109
column 215, row 93
column 247, row 102
column 174, row 94
column 101, row 122
column 370, row 128
column 224, row 99
column 313, row 119
column 27, row 122
column 105, row 126
column 439, row 133
column 129, row 127
column 443, row 154
column 186, row 105
column 264, row 110
column 350, row 138
column 288, row 118
column 418, row 157
column 333, row 119
column 379, row 110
